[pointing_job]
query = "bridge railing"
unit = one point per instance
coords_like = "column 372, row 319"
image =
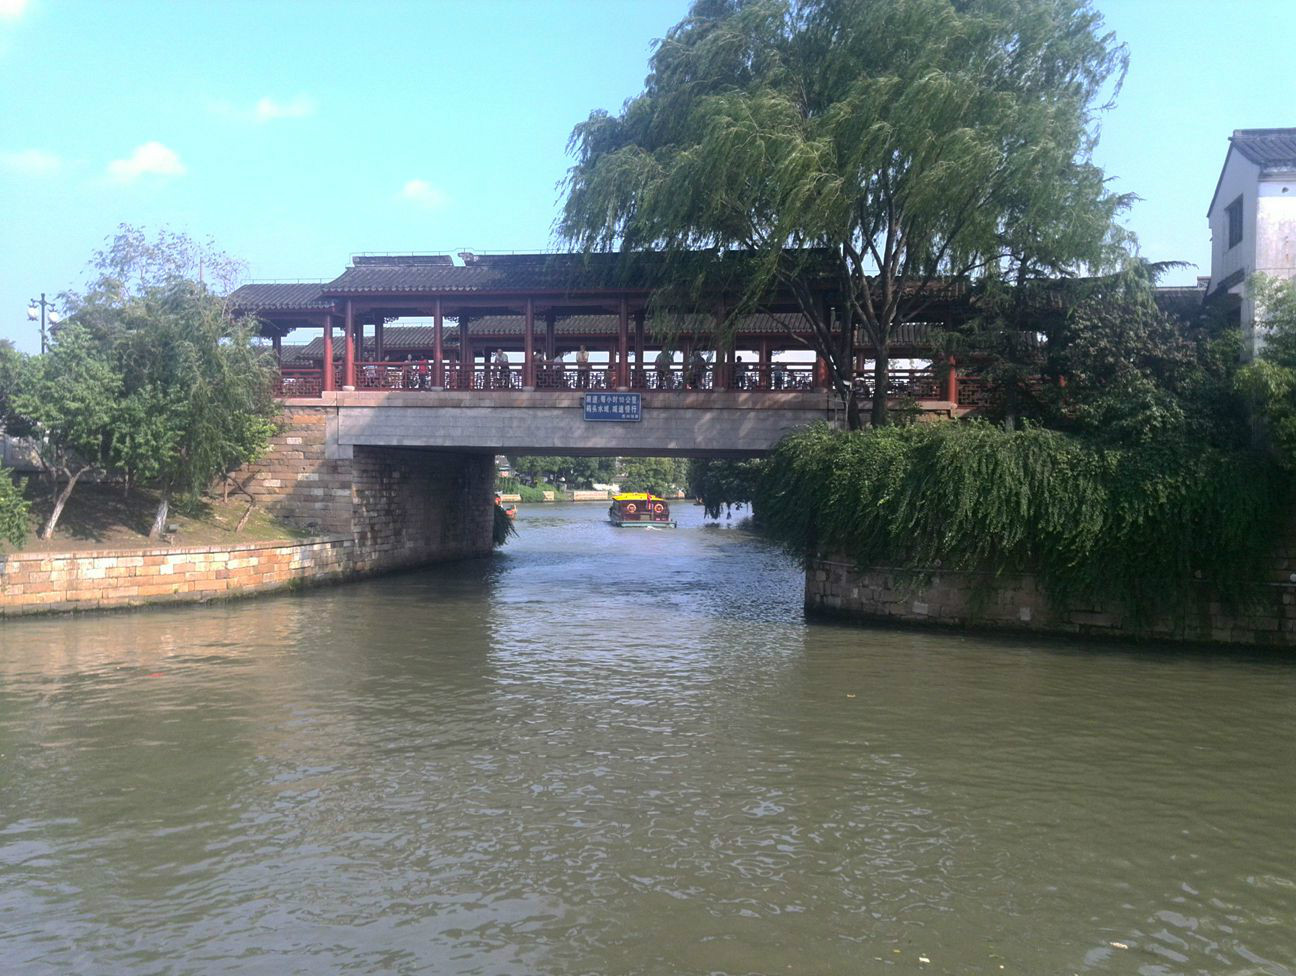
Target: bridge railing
column 299, row 383
column 918, row 384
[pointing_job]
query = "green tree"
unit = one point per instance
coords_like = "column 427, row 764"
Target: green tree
column 1269, row 381
column 67, row 403
column 197, row 394
column 577, row 472
column 891, row 149
column 657, row 475
column 1126, row 372
column 13, row 511
column 131, row 263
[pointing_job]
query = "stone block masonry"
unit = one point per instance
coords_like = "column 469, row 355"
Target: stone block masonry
column 835, row 587
column 34, row 582
column 371, row 509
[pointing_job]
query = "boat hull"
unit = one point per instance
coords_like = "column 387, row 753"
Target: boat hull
column 646, row 524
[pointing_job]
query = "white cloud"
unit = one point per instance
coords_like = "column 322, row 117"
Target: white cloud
column 12, row 8
column 31, row 162
column 266, row 109
column 423, row 193
column 152, row 157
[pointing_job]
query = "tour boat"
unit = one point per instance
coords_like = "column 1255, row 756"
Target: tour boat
column 640, row 509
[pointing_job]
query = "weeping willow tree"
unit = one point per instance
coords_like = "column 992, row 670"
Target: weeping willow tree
column 879, row 152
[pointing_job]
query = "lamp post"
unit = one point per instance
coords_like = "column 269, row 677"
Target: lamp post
column 46, row 311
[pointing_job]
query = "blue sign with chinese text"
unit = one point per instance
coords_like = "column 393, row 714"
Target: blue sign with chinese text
column 612, row 406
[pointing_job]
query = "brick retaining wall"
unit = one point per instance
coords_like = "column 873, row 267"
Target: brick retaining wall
column 834, row 587
column 33, row 582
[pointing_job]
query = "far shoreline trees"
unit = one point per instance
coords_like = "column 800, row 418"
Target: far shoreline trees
column 899, row 147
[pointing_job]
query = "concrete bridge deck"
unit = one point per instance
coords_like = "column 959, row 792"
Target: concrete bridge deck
column 674, row 423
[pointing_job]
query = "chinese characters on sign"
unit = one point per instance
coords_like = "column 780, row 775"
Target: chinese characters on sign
column 612, row 406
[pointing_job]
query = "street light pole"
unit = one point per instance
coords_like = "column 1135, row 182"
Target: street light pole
column 43, row 305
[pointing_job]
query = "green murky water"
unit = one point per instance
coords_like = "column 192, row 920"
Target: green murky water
column 624, row 752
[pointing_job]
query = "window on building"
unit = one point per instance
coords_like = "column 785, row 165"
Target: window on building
column 1234, row 212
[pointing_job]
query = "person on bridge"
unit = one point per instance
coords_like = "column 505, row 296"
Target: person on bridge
column 582, row 368
column 502, row 369
column 779, row 375
column 663, row 364
column 740, row 374
column 697, row 370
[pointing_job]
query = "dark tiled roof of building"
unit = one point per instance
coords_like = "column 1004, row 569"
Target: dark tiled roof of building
column 1267, row 147
column 1182, row 302
column 280, row 297
column 402, row 260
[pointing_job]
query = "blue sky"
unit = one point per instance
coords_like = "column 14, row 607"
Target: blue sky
column 296, row 134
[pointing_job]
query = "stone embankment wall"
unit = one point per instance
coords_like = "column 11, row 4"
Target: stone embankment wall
column 34, row 582
column 835, row 587
column 370, row 510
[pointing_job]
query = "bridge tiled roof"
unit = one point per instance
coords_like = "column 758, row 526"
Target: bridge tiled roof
column 285, row 297
column 488, row 273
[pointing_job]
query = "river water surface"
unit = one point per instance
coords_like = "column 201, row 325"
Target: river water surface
column 617, row 751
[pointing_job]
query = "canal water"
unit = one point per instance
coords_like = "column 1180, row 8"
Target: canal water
column 626, row 752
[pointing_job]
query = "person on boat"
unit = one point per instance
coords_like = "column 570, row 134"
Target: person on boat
column 663, row 364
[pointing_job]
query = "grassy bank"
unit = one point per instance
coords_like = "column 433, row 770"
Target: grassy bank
column 102, row 517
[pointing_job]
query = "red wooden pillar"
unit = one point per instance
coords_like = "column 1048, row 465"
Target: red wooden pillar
column 551, row 334
column 528, row 346
column 822, row 380
column 764, row 380
column 639, row 348
column 438, row 351
column 465, row 355
column 951, row 381
column 326, row 379
column 348, row 348
column 623, row 345
column 721, row 372
column 379, row 352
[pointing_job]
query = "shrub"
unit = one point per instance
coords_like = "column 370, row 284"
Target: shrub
column 14, row 510
column 1131, row 525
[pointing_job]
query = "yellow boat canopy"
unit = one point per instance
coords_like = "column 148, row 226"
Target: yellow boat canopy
column 637, row 496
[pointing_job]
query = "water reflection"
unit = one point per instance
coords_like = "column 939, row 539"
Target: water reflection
column 615, row 751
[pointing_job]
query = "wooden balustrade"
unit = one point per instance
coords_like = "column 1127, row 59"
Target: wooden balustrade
column 918, row 384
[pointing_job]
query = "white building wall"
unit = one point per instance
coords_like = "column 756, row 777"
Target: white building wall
column 1238, row 179
column 1276, row 228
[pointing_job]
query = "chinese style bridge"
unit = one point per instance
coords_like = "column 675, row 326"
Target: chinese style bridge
column 508, row 345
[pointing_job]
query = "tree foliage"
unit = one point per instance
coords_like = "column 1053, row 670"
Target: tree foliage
column 1134, row 526
column 1269, row 381
column 885, row 148
column 14, row 511
column 66, row 403
column 148, row 377
column 722, row 484
column 658, row 475
column 197, row 400
column 576, row 472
